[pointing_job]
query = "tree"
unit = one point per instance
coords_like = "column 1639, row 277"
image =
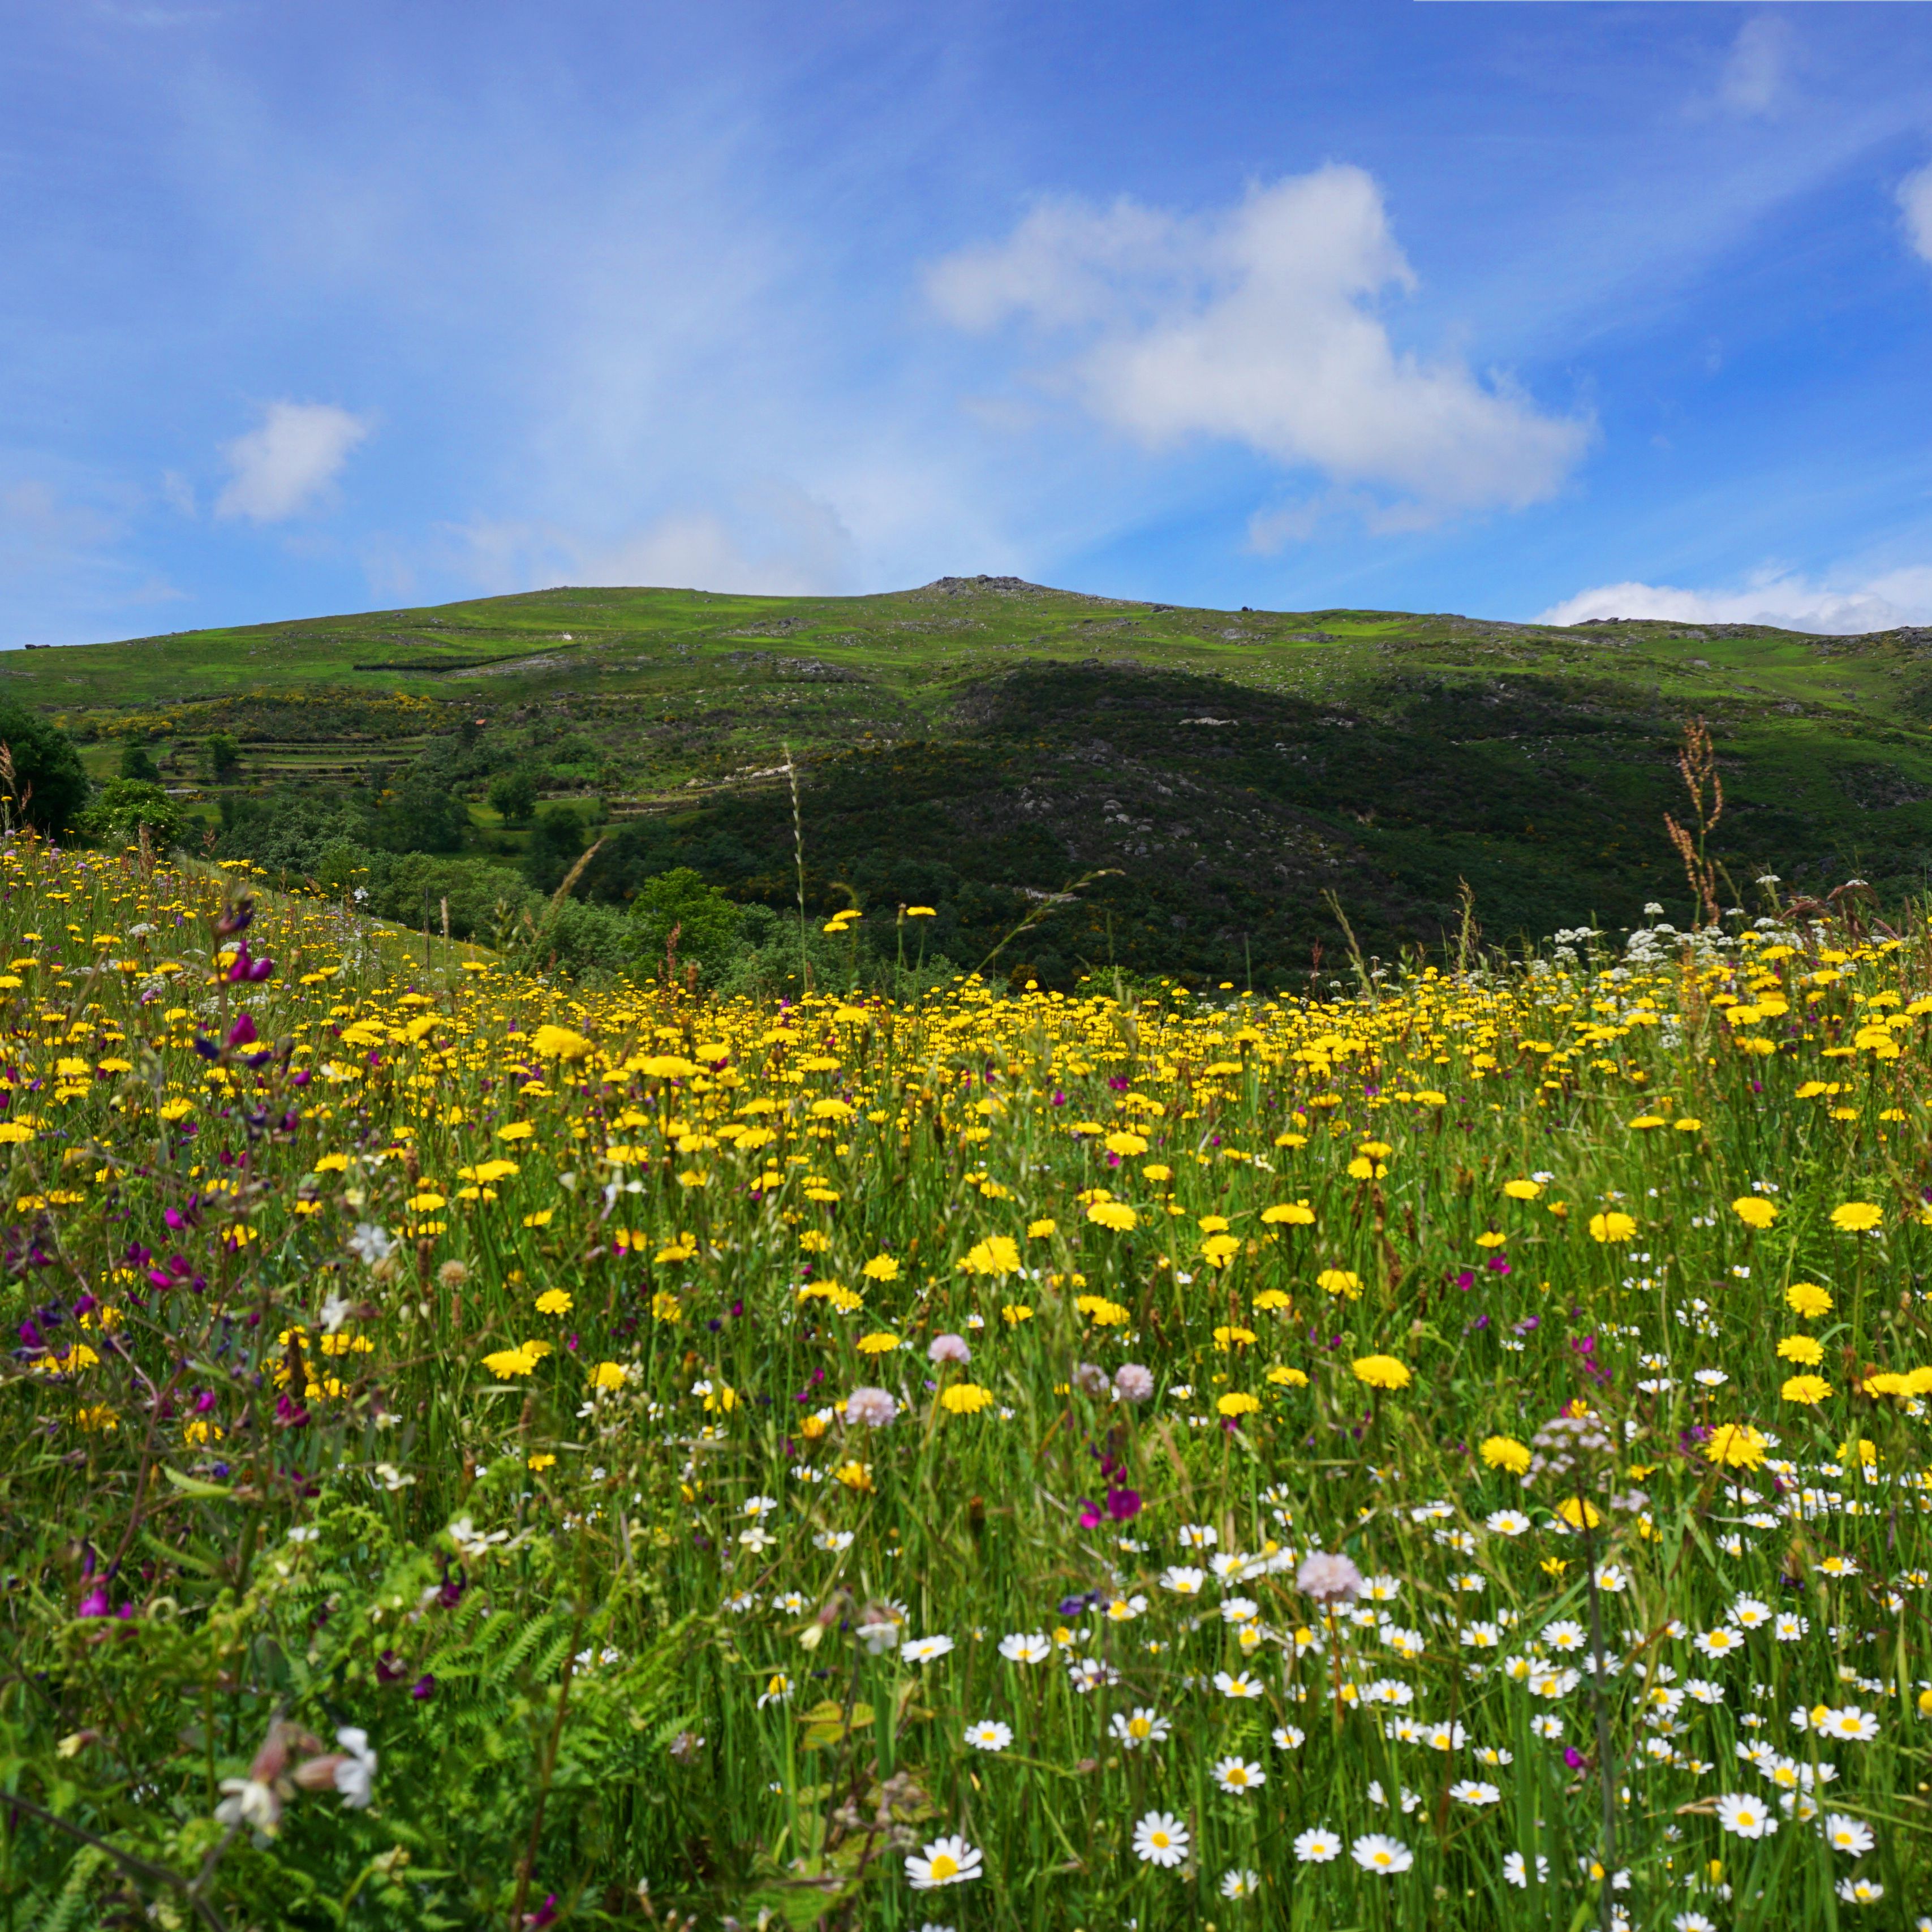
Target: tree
column 708, row 925
column 137, row 762
column 557, row 843
column 221, row 757
column 513, row 795
column 49, row 783
column 124, row 806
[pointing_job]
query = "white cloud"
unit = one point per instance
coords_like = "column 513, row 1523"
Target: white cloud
column 1752, row 79
column 1915, row 202
column 1256, row 324
column 1783, row 598
column 780, row 542
column 285, row 465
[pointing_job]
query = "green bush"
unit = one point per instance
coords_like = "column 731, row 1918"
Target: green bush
column 124, row 805
column 50, row 784
column 514, row 797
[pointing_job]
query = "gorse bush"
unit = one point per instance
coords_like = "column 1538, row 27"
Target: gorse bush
column 477, row 1453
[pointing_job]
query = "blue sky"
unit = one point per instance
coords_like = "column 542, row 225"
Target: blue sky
column 1510, row 309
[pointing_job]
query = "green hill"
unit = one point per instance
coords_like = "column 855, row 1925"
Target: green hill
column 977, row 744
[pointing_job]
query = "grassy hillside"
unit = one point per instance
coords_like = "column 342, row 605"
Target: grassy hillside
column 476, row 1453
column 976, row 743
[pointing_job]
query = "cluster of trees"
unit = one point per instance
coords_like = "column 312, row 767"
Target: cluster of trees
column 400, row 846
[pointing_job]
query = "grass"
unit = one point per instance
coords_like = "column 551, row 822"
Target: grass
column 470, row 1372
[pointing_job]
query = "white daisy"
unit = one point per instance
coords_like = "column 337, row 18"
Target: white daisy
column 1745, row 1816
column 1161, row 1839
column 1232, row 1775
column 1375, row 1852
column 945, row 1861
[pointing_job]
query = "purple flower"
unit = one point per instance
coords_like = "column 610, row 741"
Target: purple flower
column 424, row 1688
column 94, row 1603
column 1123, row 1504
column 1327, row 1578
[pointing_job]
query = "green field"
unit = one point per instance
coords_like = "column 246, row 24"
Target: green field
column 478, row 1453
column 977, row 743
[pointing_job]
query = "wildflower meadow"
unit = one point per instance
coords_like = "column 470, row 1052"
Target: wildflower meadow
column 1448, row 1453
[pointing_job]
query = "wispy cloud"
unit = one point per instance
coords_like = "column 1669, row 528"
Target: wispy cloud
column 1257, row 325
column 776, row 540
column 287, row 464
column 1785, row 598
column 1915, row 202
column 1755, row 77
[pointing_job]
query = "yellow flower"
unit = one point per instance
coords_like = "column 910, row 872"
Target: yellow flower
column 1036, row 1230
column 878, row 1343
column 1522, row 1190
column 1801, row 1348
column 1504, row 1452
column 511, row 1362
column 965, row 1398
column 1736, row 1445
column 1856, row 1217
column 1233, row 1338
column 1113, row 1214
column 1611, row 1227
column 1015, row 1313
column 1235, row 1403
column 12, row 1133
column 1126, row 1145
column 1272, row 1298
column 1289, row 1213
column 554, row 1301
column 854, row 1475
column 1578, row 1513
column 1810, row 1390
column 542, row 1460
column 515, row 1130
column 556, row 1042
column 1753, row 1210
column 1690, row 1124
column 1382, row 1372
column 1287, row 1377
column 1340, row 1281
column 1156, row 1172
column 1218, row 1250
column 610, row 1375
column 541, row 1218
column 881, row 1267
column 1807, row 1299
column 997, row 1255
